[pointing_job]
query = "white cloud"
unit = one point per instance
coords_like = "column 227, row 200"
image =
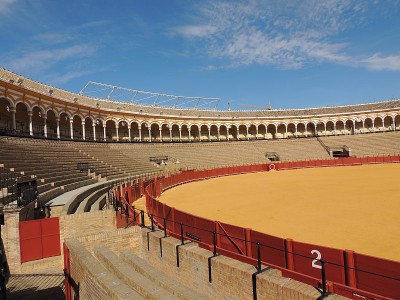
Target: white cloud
column 195, row 31
column 52, row 38
column 377, row 62
column 45, row 59
column 284, row 34
column 5, row 6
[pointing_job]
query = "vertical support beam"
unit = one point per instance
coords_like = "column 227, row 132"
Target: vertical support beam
column 209, row 134
column 116, row 131
column 180, row 134
column 219, row 137
column 45, row 126
column 170, row 132
column 94, row 131
column 71, row 128
column 149, row 133
column 58, row 127
column 160, row 134
column 129, row 133
column 104, row 132
column 140, row 134
column 83, row 131
column 30, row 123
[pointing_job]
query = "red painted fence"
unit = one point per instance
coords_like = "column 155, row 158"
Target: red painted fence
column 347, row 273
column 39, row 239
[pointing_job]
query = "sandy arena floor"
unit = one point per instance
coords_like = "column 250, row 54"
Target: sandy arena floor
column 354, row 208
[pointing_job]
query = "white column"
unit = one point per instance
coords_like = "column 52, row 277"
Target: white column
column 209, row 133
column 45, row 127
column 219, row 137
column 150, row 133
column 334, row 128
column 161, row 134
column 247, row 133
column 83, row 131
column 14, row 123
column 227, row 133
column 324, row 128
column 104, row 132
column 116, row 130
column 295, row 130
column 190, row 136
column 30, row 123
column 140, row 134
column 257, row 132
column 170, row 133
column 71, row 127
column 58, row 127
column 393, row 124
column 94, row 131
column 129, row 133
column 180, row 134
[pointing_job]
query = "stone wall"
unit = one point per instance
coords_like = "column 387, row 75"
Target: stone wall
column 231, row 279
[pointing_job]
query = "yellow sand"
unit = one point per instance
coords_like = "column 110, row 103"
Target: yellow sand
column 355, row 208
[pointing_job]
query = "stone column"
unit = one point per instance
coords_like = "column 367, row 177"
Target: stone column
column 58, row 127
column 83, row 131
column 30, row 123
column 45, row 127
column 94, row 131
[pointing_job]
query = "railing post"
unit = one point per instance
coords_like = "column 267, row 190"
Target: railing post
column 165, row 227
column 152, row 222
column 182, row 238
column 142, row 218
column 214, row 243
column 323, row 277
column 258, row 257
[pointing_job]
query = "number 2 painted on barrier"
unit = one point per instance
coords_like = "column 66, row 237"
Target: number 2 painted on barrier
column 315, row 261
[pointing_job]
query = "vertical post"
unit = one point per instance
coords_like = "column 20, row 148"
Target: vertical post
column 83, row 131
column 214, row 243
column 116, row 130
column 323, row 277
column 152, row 222
column 104, row 132
column 165, row 228
column 71, row 128
column 58, row 127
column 14, row 123
column 45, row 126
column 94, row 131
column 182, row 238
column 142, row 218
column 258, row 257
column 30, row 123
column 129, row 133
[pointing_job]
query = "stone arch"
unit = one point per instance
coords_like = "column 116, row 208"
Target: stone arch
column 89, row 136
column 185, row 133
column 123, row 131
column 358, row 126
column 65, row 126
column 111, row 130
column 100, row 130
column 134, row 131
column 388, row 123
column 301, row 129
column 77, row 127
column 175, row 133
column 232, row 132
column 291, row 130
column 204, row 135
column 397, row 122
column 262, row 131
column 349, row 127
column 242, row 132
column 340, row 127
column 378, row 124
column 252, row 132
column 6, row 108
column 330, row 128
column 155, row 132
column 145, row 132
column 271, row 131
column 280, row 131
column 22, row 118
column 368, row 125
column 320, row 129
column 38, row 121
column 214, row 132
column 310, row 129
column 166, row 134
column 194, row 132
column 223, row 132
column 51, row 123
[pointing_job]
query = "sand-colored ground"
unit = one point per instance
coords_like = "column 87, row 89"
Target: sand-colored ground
column 356, row 208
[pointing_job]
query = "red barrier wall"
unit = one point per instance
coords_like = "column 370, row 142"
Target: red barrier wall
column 297, row 260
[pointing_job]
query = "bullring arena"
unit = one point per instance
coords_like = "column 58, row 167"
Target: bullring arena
column 106, row 199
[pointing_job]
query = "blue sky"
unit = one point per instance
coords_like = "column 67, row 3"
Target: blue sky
column 304, row 53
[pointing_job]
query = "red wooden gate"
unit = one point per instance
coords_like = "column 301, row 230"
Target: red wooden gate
column 39, row 239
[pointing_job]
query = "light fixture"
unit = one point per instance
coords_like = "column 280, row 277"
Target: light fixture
column 50, row 91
